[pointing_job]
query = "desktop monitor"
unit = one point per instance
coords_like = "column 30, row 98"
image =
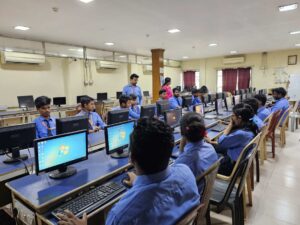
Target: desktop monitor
column 199, row 108
column 244, row 96
column 146, row 93
column 187, row 101
column 118, row 94
column 117, row 138
column 71, row 124
column 162, row 106
column 236, row 99
column 212, row 98
column 26, row 101
column 219, row 106
column 78, row 98
column 15, row 138
column 58, row 152
column 117, row 116
column 101, row 97
column 148, row 110
column 228, row 102
column 220, row 95
column 59, row 101
column 173, row 117
column 242, row 91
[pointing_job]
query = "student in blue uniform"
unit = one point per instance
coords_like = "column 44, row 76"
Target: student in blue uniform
column 160, row 194
column 87, row 109
column 281, row 103
column 133, row 88
column 162, row 95
column 240, row 131
column 262, row 111
column 196, row 97
column 253, row 102
column 176, row 100
column 45, row 123
column 134, row 104
column 125, row 103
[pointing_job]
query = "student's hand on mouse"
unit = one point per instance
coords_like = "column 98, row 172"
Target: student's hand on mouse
column 70, row 219
column 97, row 128
column 131, row 179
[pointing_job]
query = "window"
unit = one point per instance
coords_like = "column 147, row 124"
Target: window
column 197, row 79
column 219, row 81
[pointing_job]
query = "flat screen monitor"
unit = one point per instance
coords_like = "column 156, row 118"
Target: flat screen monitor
column 26, row 101
column 212, row 98
column 15, row 138
column 71, row 124
column 199, row 108
column 244, row 96
column 219, row 106
column 78, row 98
column 59, row 101
column 162, row 106
column 220, row 95
column 228, row 102
column 236, row 99
column 117, row 116
column 187, row 101
column 117, row 137
column 146, row 93
column 148, row 110
column 118, row 94
column 58, row 152
column 101, row 97
column 173, row 117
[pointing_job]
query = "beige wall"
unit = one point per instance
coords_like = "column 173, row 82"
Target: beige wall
column 261, row 79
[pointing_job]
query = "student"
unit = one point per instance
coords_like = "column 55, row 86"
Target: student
column 45, row 123
column 176, row 100
column 262, row 111
column 125, row 103
column 160, row 194
column 195, row 97
column 87, row 109
column 240, row 131
column 132, row 88
column 162, row 95
column 281, row 103
column 166, row 86
column 203, row 91
column 134, row 104
column 197, row 154
column 253, row 102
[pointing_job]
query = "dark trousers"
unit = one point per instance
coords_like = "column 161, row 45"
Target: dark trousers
column 227, row 164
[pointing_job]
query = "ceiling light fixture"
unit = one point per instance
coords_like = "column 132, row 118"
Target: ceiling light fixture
column 23, row 28
column 185, row 57
column 295, row 32
column 290, row 7
column 213, row 45
column 233, row 52
column 173, row 31
column 86, row 1
column 297, row 45
column 122, row 56
column 109, row 43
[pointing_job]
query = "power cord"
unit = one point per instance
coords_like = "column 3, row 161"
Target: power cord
column 20, row 160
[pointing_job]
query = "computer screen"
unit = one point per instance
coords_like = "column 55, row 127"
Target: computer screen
column 228, row 102
column 117, row 136
column 60, row 151
column 71, row 124
column 148, row 110
column 146, row 93
column 118, row 94
column 173, row 117
column 219, row 106
column 26, row 101
column 101, row 96
column 199, row 108
column 219, row 95
column 187, row 101
column 59, row 101
column 237, row 99
column 244, row 96
column 162, row 106
column 117, row 116
column 78, row 98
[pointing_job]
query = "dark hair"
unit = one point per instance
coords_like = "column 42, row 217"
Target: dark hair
column 162, row 91
column 194, row 91
column 262, row 98
column 132, row 97
column 245, row 112
column 167, row 80
column 280, row 91
column 253, row 102
column 151, row 145
column 85, row 100
column 175, row 89
column 203, row 90
column 133, row 76
column 42, row 101
column 123, row 99
column 192, row 127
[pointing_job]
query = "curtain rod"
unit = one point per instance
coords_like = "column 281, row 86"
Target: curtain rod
column 234, row 67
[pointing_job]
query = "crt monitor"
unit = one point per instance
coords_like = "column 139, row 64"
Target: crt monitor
column 187, row 101
column 236, row 99
column 101, row 96
column 228, row 102
column 117, row 137
column 15, row 138
column 148, row 110
column 219, row 106
column 146, row 93
column 162, row 106
column 26, row 101
column 117, row 116
column 58, row 152
column 71, row 124
column 118, row 94
column 173, row 117
column 59, row 101
column 199, row 108
column 78, row 98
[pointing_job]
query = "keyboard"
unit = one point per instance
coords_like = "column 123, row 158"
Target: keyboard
column 91, row 199
column 219, row 127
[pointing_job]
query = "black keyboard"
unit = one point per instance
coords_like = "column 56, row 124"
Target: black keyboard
column 91, row 200
column 219, row 127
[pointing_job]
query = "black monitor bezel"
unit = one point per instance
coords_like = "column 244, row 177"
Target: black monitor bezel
column 165, row 117
column 60, row 98
column 116, row 111
column 100, row 94
column 78, row 97
column 31, row 98
column 58, row 122
column 147, row 93
column 145, row 107
column 159, row 103
column 184, row 100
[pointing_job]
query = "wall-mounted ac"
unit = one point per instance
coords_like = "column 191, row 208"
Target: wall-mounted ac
column 147, row 69
column 233, row 60
column 106, row 65
column 18, row 57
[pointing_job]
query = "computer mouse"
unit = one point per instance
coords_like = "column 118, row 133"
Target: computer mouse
column 126, row 178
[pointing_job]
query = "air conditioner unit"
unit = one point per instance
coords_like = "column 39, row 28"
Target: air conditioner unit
column 233, row 60
column 147, row 69
column 107, row 65
column 18, row 57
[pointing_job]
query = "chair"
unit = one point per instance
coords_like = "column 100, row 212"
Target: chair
column 189, row 218
column 282, row 126
column 271, row 132
column 9, row 121
column 295, row 116
column 71, row 113
column 229, row 193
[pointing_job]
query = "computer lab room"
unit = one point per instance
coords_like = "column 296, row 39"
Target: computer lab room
column 139, row 112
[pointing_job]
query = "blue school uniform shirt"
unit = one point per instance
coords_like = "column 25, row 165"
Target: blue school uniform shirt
column 235, row 142
column 196, row 100
column 263, row 113
column 136, row 90
column 42, row 125
column 132, row 114
column 175, row 102
column 258, row 122
column 281, row 104
column 94, row 119
column 160, row 198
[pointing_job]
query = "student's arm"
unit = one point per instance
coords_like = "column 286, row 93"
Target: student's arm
column 100, row 122
column 275, row 108
column 124, row 90
column 172, row 103
column 231, row 140
column 133, row 114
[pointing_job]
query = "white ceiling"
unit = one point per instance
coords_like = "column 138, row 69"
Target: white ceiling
column 242, row 25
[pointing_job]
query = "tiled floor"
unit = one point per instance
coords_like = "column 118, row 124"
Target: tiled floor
column 276, row 198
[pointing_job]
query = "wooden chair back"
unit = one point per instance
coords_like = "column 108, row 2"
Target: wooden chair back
column 284, row 118
column 190, row 217
column 274, row 121
column 71, row 113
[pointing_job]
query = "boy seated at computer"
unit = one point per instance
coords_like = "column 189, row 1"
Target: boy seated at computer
column 125, row 103
column 45, row 123
column 196, row 97
column 87, row 109
column 160, row 194
column 162, row 95
column 175, row 101
column 135, row 107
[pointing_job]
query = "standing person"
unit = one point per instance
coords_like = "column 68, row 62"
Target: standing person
column 166, row 86
column 132, row 88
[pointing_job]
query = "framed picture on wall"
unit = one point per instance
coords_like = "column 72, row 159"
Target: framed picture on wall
column 292, row 59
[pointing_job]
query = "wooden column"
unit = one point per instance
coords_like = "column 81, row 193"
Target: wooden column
column 157, row 71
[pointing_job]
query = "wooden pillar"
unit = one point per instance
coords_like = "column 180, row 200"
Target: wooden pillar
column 157, row 71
